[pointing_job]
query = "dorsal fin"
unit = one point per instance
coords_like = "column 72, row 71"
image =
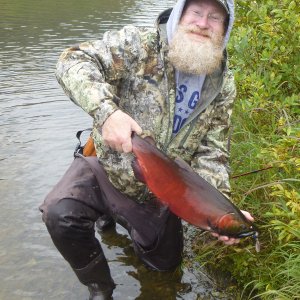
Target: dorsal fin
column 183, row 164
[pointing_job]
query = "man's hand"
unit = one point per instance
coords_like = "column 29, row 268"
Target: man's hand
column 228, row 240
column 117, row 130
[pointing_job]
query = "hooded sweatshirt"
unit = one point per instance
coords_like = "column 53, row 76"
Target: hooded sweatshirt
column 188, row 87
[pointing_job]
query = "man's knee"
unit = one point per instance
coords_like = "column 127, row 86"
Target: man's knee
column 54, row 216
column 66, row 217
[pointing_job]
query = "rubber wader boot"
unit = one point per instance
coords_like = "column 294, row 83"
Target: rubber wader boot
column 105, row 222
column 96, row 276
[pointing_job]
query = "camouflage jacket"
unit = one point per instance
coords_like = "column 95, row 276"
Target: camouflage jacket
column 129, row 70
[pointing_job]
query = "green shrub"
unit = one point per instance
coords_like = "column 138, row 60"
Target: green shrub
column 265, row 57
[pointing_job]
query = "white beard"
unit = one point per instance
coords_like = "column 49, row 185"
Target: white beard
column 193, row 56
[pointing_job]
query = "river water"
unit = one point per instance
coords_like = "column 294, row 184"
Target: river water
column 38, row 125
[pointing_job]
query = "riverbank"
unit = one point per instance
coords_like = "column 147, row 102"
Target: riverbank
column 208, row 284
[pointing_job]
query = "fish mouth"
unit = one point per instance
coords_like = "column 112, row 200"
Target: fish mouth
column 254, row 234
column 246, row 234
column 251, row 231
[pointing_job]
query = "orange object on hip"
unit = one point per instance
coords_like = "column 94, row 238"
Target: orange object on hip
column 89, row 148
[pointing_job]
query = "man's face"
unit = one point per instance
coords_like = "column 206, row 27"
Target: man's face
column 198, row 43
column 207, row 16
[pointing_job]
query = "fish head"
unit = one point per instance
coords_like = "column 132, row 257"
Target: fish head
column 235, row 225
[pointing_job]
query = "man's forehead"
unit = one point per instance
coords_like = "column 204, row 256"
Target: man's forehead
column 220, row 3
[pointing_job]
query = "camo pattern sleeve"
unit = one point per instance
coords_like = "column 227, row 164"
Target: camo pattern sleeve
column 91, row 72
column 211, row 160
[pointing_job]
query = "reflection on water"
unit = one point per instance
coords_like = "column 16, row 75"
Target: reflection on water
column 38, row 125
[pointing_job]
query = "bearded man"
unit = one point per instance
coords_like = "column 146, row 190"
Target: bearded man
column 170, row 82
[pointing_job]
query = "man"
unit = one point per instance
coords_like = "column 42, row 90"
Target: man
column 171, row 83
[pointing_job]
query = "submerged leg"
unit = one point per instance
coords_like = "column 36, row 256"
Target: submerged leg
column 70, row 211
column 71, row 227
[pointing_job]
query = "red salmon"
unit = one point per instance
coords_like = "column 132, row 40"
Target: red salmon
column 187, row 194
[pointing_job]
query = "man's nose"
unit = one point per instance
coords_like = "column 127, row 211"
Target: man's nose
column 202, row 21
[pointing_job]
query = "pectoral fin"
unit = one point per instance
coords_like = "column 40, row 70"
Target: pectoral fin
column 137, row 170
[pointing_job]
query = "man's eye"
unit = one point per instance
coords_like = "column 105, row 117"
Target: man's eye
column 198, row 13
column 215, row 17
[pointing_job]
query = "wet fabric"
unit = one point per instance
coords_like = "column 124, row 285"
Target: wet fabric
column 83, row 194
